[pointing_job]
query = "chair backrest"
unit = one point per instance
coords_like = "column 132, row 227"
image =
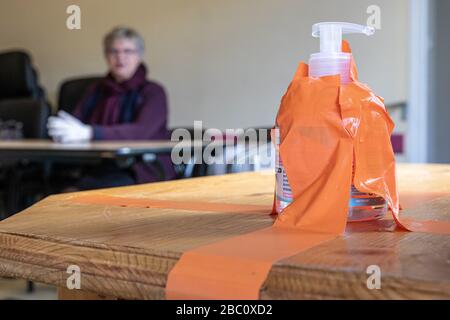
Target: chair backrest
column 32, row 113
column 72, row 90
column 18, row 78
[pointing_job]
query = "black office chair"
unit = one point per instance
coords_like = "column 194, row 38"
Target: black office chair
column 20, row 92
column 18, row 78
column 33, row 115
column 72, row 90
column 23, row 180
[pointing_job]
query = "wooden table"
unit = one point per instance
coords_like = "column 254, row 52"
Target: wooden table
column 127, row 252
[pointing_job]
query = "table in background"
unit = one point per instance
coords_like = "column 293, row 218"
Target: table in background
column 47, row 153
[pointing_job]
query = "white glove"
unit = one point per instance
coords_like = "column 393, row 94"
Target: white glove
column 66, row 129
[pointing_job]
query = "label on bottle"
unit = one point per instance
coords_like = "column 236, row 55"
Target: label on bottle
column 283, row 190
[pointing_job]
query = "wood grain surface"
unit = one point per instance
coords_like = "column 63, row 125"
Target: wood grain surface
column 127, row 252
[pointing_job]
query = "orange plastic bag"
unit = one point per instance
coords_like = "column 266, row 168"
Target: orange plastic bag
column 324, row 127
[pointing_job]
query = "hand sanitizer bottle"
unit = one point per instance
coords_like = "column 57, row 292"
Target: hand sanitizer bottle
column 332, row 61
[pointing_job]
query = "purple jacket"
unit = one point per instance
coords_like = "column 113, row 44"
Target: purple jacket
column 135, row 109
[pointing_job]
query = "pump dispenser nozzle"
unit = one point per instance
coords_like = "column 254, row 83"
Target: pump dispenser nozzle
column 331, row 60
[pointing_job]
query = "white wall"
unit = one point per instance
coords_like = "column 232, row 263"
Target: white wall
column 226, row 62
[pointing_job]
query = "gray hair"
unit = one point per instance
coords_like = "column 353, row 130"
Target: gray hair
column 123, row 33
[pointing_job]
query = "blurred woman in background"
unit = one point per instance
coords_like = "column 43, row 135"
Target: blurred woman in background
column 124, row 105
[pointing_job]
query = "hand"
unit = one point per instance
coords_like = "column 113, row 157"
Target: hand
column 67, row 129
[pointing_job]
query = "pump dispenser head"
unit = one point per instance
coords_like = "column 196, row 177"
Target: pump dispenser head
column 331, row 60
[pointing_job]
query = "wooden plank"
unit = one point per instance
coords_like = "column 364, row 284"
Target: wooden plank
column 127, row 252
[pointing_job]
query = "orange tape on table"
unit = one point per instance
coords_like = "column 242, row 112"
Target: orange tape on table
column 234, row 268
column 237, row 267
column 101, row 199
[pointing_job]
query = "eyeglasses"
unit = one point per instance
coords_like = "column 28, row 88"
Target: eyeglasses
column 126, row 52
